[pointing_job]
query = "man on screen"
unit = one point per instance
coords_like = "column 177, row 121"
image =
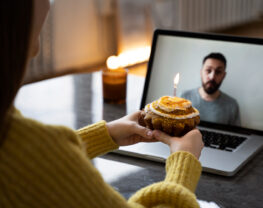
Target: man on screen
column 213, row 104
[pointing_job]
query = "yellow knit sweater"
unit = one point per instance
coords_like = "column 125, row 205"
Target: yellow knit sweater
column 49, row 166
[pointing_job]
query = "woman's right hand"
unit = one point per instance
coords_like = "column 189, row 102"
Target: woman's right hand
column 191, row 142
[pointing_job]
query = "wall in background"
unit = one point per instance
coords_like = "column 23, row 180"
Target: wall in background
column 80, row 34
column 76, row 34
column 84, row 33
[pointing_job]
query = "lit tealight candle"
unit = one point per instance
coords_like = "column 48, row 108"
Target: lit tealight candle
column 114, row 80
column 176, row 81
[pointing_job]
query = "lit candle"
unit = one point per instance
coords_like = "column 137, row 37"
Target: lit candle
column 114, row 80
column 176, row 81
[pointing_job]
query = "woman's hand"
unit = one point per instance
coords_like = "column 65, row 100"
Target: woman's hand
column 127, row 131
column 191, row 142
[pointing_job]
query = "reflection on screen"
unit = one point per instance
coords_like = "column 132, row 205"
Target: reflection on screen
column 239, row 83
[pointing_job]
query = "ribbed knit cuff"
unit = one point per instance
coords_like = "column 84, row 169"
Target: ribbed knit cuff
column 96, row 139
column 183, row 168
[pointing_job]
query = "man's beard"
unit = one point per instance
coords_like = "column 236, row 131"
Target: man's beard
column 211, row 87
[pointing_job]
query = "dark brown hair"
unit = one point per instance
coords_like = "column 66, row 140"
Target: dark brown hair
column 218, row 56
column 15, row 30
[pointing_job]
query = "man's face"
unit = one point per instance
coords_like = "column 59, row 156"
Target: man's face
column 212, row 75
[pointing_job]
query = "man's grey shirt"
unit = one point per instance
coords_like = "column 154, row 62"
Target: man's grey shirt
column 223, row 110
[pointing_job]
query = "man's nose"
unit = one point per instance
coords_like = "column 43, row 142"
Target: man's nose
column 211, row 75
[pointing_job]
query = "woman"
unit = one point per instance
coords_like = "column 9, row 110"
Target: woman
column 49, row 166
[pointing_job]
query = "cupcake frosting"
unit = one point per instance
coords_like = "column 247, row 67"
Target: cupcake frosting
column 169, row 104
column 172, row 107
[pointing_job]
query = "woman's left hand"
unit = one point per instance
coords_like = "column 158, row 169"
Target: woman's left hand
column 127, row 131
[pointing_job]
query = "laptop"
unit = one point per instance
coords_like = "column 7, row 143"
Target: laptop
column 228, row 147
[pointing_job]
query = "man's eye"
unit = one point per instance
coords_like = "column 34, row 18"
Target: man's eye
column 208, row 71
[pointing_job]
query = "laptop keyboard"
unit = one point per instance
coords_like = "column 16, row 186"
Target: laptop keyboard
column 221, row 141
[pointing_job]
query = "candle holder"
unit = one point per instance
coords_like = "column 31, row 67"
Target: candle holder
column 114, row 85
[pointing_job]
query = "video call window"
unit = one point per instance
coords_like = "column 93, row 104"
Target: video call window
column 241, row 87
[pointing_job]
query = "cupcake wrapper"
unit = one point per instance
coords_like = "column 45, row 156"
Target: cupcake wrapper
column 172, row 127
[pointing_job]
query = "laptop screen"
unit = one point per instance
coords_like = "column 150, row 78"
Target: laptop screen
column 207, row 62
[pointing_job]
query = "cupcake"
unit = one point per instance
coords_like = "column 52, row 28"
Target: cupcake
column 172, row 115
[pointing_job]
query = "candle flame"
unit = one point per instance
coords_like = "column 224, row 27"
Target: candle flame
column 112, row 62
column 176, row 79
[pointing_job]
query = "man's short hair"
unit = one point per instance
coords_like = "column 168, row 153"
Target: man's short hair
column 218, row 56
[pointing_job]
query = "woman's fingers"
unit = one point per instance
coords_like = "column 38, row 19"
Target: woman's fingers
column 134, row 116
column 161, row 136
column 137, row 138
column 148, row 140
column 142, row 131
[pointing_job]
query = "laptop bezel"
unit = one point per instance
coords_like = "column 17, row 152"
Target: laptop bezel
column 207, row 36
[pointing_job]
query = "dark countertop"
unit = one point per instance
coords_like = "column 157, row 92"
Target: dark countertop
column 76, row 101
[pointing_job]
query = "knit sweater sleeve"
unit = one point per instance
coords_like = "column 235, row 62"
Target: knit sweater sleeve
column 44, row 166
column 96, row 139
column 182, row 173
column 177, row 190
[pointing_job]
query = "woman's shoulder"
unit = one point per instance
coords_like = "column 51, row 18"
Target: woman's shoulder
column 36, row 156
column 32, row 132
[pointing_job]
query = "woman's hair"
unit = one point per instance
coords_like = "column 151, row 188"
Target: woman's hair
column 15, row 30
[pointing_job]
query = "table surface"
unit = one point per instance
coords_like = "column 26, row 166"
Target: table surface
column 76, row 101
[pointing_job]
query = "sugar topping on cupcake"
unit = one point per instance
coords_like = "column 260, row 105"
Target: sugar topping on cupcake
column 169, row 104
column 173, row 107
